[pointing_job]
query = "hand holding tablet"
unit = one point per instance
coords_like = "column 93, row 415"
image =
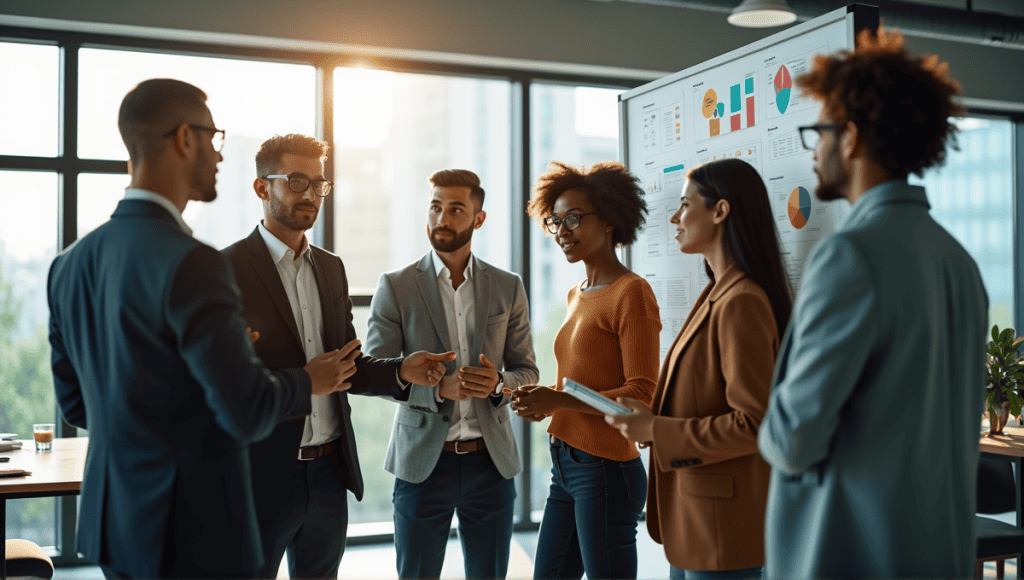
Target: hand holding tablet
column 594, row 398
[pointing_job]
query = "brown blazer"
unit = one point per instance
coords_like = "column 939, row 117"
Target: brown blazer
column 709, row 486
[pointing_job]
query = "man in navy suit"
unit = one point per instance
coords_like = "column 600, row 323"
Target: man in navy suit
column 295, row 295
column 150, row 354
column 872, row 425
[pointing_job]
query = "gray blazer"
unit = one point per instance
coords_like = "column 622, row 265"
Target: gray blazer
column 872, row 425
column 407, row 315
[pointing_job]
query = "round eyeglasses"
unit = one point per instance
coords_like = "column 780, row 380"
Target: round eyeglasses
column 571, row 221
column 299, row 183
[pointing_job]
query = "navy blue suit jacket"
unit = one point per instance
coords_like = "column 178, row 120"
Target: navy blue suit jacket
column 150, row 355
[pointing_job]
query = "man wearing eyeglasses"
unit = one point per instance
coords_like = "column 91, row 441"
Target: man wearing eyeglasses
column 452, row 449
column 872, row 424
column 150, row 354
column 295, row 297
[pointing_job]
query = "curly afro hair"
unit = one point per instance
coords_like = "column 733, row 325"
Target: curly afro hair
column 614, row 192
column 901, row 103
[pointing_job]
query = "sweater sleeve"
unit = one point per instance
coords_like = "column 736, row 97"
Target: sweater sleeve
column 639, row 325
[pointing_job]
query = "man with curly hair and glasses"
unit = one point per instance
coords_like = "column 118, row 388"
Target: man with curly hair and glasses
column 872, row 425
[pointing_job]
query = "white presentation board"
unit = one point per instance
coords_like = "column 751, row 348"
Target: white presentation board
column 742, row 104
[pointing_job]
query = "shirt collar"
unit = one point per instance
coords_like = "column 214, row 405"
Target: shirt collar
column 895, row 191
column 278, row 249
column 439, row 266
column 146, row 195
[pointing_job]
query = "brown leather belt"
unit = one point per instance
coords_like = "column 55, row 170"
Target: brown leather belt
column 308, row 453
column 462, row 447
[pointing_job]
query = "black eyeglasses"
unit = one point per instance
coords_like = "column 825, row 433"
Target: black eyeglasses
column 217, row 139
column 571, row 221
column 299, row 183
column 810, row 134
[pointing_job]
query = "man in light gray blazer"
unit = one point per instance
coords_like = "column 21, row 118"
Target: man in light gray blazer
column 452, row 448
column 872, row 425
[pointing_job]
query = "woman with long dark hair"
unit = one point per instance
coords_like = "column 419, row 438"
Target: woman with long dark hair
column 709, row 486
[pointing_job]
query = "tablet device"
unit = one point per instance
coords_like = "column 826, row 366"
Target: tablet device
column 594, row 399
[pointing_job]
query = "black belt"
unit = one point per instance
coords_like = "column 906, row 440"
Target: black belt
column 463, row 447
column 314, row 451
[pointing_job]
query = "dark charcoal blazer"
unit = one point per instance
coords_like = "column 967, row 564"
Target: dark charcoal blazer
column 150, row 355
column 267, row 311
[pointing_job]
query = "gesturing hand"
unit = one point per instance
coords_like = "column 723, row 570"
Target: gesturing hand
column 329, row 371
column 636, row 426
column 253, row 335
column 424, row 368
column 479, row 381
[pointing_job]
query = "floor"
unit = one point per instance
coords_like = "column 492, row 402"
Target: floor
column 378, row 562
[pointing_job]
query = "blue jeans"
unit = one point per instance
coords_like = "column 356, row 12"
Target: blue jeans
column 590, row 517
column 741, row 574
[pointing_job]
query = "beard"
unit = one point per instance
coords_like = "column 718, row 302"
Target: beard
column 286, row 215
column 457, row 241
column 833, row 184
column 207, row 187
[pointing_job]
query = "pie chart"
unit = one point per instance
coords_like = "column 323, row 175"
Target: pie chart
column 799, row 207
column 783, row 86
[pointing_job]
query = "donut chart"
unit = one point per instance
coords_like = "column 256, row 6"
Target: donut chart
column 799, row 207
column 783, row 88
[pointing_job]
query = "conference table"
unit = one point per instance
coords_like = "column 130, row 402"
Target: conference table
column 55, row 472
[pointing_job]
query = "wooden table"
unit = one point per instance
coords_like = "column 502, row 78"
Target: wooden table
column 55, row 472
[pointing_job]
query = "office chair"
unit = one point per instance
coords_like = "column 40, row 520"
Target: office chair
column 997, row 541
column 25, row 558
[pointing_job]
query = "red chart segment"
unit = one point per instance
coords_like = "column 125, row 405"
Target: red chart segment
column 799, row 207
column 783, row 88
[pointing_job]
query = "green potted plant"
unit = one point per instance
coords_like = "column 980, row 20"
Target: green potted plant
column 1004, row 376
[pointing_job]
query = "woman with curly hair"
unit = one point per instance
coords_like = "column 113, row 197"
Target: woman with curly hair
column 608, row 342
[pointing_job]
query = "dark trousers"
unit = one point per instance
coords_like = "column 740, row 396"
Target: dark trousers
column 471, row 486
column 312, row 523
column 590, row 517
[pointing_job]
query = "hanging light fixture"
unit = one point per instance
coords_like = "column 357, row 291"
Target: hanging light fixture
column 762, row 14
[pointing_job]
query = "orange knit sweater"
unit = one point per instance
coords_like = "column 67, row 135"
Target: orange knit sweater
column 608, row 342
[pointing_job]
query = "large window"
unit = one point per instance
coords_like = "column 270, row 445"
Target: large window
column 251, row 100
column 28, row 243
column 972, row 197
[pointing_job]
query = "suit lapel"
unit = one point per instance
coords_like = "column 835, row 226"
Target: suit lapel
column 481, row 298
column 693, row 323
column 327, row 306
column 426, row 280
column 268, row 274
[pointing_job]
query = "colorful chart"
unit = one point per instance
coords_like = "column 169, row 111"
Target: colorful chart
column 799, row 207
column 783, row 87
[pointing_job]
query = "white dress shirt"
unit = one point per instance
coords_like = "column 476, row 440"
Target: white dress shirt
column 146, row 195
column 322, row 424
column 460, row 313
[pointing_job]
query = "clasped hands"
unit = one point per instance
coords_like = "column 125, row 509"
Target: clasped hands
column 478, row 382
